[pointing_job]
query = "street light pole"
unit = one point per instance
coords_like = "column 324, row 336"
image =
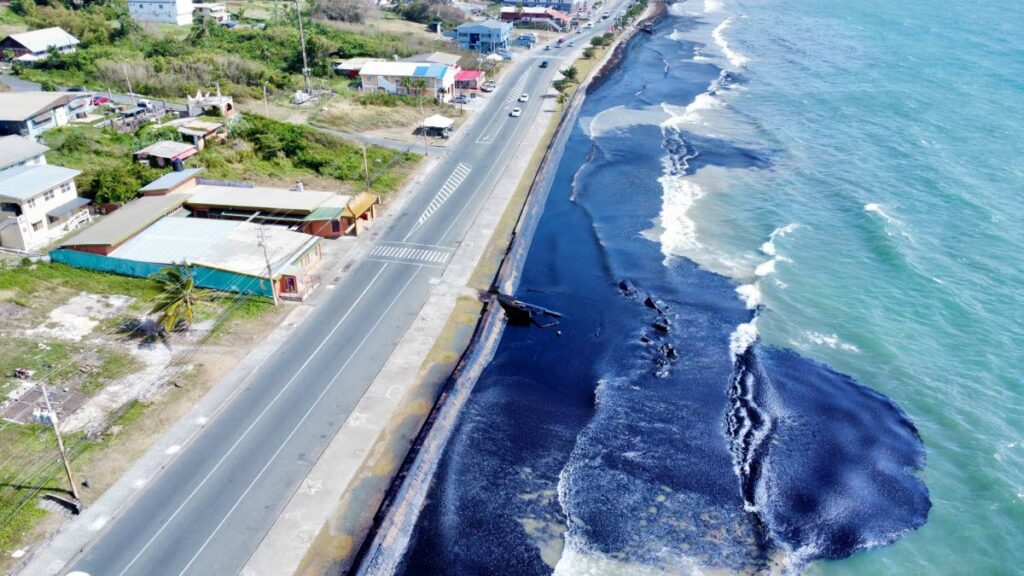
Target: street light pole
column 270, row 271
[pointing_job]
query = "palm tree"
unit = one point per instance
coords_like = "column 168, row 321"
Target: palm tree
column 570, row 73
column 179, row 298
column 560, row 99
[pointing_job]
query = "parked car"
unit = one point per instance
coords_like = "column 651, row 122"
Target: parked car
column 544, row 64
column 516, row 112
column 461, row 99
column 100, row 100
column 524, row 97
column 488, row 86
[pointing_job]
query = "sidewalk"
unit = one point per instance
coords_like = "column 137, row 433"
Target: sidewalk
column 332, row 509
column 52, row 555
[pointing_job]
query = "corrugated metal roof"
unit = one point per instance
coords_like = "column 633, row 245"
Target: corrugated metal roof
column 24, row 182
column 170, row 180
column 166, row 149
column 127, row 221
column 360, row 204
column 490, row 24
column 20, row 106
column 41, row 40
column 222, row 244
column 260, row 198
column 16, row 149
column 324, row 213
column 411, row 69
column 68, row 207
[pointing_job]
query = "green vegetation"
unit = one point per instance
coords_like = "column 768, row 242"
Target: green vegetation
column 430, row 13
column 43, row 278
column 171, row 64
column 260, row 150
column 180, row 298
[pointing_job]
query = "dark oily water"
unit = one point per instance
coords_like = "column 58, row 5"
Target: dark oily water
column 649, row 437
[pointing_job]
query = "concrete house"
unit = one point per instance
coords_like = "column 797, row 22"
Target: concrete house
column 20, row 151
column 178, row 12
column 444, row 58
column 210, row 11
column 35, row 45
column 165, row 153
column 38, row 204
column 485, row 36
column 32, row 113
column 567, row 6
column 537, row 16
column 397, row 77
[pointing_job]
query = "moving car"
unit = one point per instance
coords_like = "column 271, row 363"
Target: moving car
column 544, row 64
column 488, row 86
column 524, row 97
column 547, row 46
column 516, row 112
column 588, row 25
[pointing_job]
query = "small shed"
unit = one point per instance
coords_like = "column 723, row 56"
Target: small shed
column 469, row 80
column 438, row 125
column 165, row 153
column 199, row 132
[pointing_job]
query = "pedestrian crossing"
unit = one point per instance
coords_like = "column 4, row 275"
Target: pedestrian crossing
column 517, row 90
column 450, row 186
column 408, row 253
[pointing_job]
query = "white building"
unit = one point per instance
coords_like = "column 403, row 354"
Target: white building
column 170, row 11
column 437, row 80
column 20, row 151
column 36, row 45
column 38, row 204
column 211, row 11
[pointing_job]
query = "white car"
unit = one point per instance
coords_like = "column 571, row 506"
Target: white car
column 516, row 112
column 524, row 98
column 588, row 25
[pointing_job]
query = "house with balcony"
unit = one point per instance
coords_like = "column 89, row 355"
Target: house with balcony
column 30, row 114
column 486, row 36
column 566, row 6
column 210, row 11
column 408, row 78
column 38, row 204
column 33, row 46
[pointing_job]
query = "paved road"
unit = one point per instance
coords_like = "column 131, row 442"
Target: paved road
column 208, row 511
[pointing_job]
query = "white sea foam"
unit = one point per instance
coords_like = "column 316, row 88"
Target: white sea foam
column 742, row 338
column 712, row 6
column 891, row 221
column 767, row 267
column 768, row 248
column 830, row 340
column 735, row 58
column 679, row 231
column 750, row 294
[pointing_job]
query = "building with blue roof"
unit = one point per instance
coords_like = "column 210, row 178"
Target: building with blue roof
column 416, row 78
column 38, row 204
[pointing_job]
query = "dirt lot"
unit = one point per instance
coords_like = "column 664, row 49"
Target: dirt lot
column 77, row 332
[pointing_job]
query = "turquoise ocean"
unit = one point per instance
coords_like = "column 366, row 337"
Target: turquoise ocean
column 887, row 237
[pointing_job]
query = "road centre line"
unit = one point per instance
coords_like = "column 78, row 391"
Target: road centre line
column 252, row 425
column 380, row 318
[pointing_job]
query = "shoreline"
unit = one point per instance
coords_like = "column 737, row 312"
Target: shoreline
column 385, row 544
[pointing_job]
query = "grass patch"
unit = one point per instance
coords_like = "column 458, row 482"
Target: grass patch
column 37, row 279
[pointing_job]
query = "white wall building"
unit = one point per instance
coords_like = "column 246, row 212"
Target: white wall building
column 170, row 11
column 38, row 204
column 20, row 151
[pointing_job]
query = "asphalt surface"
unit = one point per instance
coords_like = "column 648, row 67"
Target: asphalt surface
column 209, row 510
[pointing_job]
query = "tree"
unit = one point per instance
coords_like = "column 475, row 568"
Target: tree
column 179, row 298
column 570, row 73
column 114, row 185
column 560, row 99
column 588, row 52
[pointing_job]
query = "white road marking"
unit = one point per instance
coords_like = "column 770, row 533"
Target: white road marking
column 380, row 318
column 252, row 425
column 418, row 254
column 456, row 178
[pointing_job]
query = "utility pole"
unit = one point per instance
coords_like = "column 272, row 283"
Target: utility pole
column 266, row 103
column 270, row 271
column 366, row 168
column 302, row 40
column 52, row 416
column 124, row 65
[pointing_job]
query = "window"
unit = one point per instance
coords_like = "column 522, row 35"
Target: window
column 37, row 226
column 48, row 195
column 65, row 188
column 31, row 203
column 335, row 226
